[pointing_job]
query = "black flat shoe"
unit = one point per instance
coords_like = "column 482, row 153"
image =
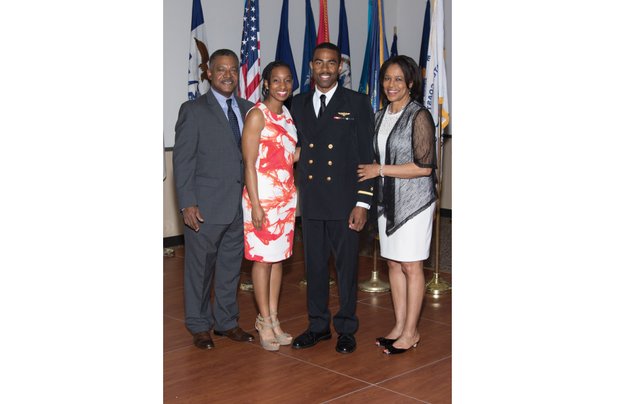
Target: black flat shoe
column 384, row 342
column 391, row 350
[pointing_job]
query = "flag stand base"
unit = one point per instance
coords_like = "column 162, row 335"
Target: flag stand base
column 168, row 252
column 374, row 284
column 304, row 282
column 437, row 286
column 246, row 286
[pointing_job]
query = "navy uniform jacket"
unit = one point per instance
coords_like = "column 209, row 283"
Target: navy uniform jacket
column 331, row 149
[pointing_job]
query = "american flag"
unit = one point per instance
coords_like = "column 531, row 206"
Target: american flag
column 249, row 82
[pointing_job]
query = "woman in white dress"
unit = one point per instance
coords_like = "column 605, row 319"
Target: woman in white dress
column 405, row 164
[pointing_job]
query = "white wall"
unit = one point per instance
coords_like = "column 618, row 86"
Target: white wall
column 223, row 20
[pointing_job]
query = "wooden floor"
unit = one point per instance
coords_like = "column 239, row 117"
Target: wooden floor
column 244, row 372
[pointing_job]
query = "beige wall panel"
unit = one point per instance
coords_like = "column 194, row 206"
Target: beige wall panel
column 173, row 223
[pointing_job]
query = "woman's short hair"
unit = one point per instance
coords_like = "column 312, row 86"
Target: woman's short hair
column 412, row 73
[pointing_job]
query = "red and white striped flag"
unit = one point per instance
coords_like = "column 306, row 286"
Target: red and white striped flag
column 249, row 80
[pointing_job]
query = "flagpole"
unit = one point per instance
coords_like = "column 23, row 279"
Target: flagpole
column 438, row 286
column 374, row 284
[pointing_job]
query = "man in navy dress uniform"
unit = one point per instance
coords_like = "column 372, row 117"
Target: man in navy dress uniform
column 335, row 127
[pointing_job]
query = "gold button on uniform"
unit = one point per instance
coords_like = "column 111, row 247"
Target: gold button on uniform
column 310, row 177
column 329, row 163
column 311, row 145
column 310, row 161
column 329, row 178
column 329, row 146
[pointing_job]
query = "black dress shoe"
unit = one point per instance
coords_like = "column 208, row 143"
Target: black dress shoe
column 203, row 340
column 309, row 338
column 384, row 342
column 236, row 334
column 346, row 343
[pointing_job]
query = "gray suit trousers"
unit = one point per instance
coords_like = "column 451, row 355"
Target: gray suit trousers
column 213, row 261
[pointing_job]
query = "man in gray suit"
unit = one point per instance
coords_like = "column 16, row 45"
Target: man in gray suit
column 208, row 172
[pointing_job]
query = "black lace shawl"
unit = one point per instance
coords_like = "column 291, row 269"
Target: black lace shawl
column 411, row 140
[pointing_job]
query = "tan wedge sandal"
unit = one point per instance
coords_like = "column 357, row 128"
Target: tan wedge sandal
column 283, row 339
column 267, row 344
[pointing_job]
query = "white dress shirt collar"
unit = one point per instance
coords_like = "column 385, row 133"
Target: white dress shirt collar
column 221, row 99
column 316, row 100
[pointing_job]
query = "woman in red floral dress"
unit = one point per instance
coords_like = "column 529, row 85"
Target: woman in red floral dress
column 269, row 198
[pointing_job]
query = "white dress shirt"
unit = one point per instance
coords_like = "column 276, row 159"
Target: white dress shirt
column 316, row 99
column 222, row 101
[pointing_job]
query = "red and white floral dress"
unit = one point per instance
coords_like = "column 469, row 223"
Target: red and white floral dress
column 276, row 190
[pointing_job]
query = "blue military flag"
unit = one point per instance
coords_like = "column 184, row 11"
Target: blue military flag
column 343, row 43
column 283, row 48
column 363, row 88
column 309, row 44
column 394, row 48
column 376, row 53
column 426, row 32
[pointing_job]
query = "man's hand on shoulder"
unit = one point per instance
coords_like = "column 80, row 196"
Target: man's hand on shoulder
column 191, row 217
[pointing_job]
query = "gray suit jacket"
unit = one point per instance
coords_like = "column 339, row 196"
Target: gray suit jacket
column 208, row 167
